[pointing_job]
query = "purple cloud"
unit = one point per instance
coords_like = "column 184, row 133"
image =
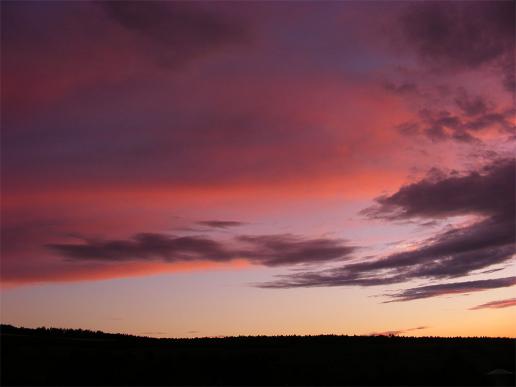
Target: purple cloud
column 451, row 288
column 440, row 196
column 455, row 36
column 451, row 253
column 220, row 223
column 268, row 250
column 176, row 32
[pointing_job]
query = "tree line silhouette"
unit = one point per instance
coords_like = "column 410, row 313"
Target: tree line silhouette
column 54, row 356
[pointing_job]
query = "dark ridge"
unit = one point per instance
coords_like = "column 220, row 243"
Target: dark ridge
column 76, row 357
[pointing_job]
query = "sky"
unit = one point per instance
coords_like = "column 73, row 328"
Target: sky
column 184, row 169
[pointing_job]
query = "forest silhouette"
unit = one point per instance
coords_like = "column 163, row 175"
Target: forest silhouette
column 52, row 356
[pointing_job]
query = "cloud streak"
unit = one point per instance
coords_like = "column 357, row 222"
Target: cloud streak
column 220, row 223
column 454, row 252
column 460, row 37
column 397, row 332
column 444, row 125
column 496, row 304
column 451, row 288
column 268, row 250
column 439, row 196
column 177, row 32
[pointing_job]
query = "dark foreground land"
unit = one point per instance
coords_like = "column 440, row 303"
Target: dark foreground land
column 76, row 357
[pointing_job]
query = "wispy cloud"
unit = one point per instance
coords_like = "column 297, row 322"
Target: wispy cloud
column 397, row 332
column 496, row 304
column 176, row 32
column 220, row 223
column 268, row 250
column 450, row 253
column 451, row 288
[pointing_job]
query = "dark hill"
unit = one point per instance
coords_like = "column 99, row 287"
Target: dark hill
column 79, row 357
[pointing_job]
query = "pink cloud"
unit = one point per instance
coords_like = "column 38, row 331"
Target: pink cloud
column 496, row 304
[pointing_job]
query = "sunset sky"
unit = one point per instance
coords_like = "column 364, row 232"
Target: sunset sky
column 181, row 169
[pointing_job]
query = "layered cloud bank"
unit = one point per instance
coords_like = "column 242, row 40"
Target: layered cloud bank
column 457, row 251
column 141, row 138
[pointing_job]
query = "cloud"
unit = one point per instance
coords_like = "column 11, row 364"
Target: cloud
column 286, row 249
column 452, row 288
column 460, row 250
column 449, row 254
column 220, row 223
column 457, row 36
column 453, row 252
column 268, row 250
column 177, row 31
column 401, row 88
column 90, row 115
column 471, row 106
column 329, row 278
column 397, row 332
column 474, row 117
column 496, row 304
column 439, row 196
column 438, row 123
column 147, row 246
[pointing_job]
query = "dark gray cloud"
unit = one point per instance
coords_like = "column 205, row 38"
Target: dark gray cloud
column 176, row 31
column 268, row 250
column 443, row 258
column 444, row 125
column 440, row 196
column 450, row 38
column 498, row 304
column 146, row 246
column 437, row 125
column 471, row 106
column 457, row 36
column 220, row 223
column 453, row 252
column 286, row 249
column 341, row 276
column 489, row 193
column 499, row 119
column 462, row 121
column 452, row 288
